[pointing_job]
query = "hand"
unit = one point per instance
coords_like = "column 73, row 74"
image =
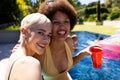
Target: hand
column 86, row 51
column 90, row 49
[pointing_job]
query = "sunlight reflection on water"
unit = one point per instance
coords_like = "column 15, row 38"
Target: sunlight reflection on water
column 110, row 69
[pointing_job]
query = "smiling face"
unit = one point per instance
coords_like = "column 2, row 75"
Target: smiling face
column 35, row 33
column 38, row 37
column 61, row 25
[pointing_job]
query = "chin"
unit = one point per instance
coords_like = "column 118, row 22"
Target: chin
column 41, row 52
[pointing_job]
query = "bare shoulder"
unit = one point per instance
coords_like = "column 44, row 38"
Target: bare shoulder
column 28, row 61
column 29, row 67
column 29, row 58
column 4, row 61
column 3, row 64
column 3, row 68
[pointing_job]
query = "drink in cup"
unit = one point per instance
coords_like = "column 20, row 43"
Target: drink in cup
column 96, row 56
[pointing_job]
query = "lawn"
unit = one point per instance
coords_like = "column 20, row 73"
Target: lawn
column 109, row 30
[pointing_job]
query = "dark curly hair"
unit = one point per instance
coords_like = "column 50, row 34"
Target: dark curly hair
column 50, row 7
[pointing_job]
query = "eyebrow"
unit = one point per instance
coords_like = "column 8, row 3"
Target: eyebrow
column 44, row 31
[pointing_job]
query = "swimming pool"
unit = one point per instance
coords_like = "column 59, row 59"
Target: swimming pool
column 110, row 69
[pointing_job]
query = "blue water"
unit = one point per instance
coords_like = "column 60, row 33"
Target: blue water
column 110, row 69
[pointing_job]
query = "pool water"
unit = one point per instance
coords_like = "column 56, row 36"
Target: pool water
column 110, row 69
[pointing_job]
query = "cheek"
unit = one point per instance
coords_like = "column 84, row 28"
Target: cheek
column 49, row 41
column 33, row 37
column 68, row 27
column 54, row 28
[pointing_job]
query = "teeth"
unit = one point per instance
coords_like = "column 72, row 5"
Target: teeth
column 61, row 32
column 41, row 45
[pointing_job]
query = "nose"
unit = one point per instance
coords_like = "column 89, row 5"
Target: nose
column 46, row 37
column 61, row 24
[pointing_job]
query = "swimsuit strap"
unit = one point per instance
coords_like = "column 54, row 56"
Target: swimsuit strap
column 12, row 68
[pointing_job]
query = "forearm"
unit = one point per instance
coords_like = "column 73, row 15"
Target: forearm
column 78, row 57
column 81, row 54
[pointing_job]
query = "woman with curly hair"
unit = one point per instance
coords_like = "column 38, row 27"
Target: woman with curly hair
column 58, row 57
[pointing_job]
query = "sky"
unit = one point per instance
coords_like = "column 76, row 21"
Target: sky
column 89, row 1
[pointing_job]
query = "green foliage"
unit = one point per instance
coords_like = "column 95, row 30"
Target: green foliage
column 98, row 11
column 15, row 10
column 108, row 3
column 92, row 17
column 12, row 11
column 93, row 4
column 108, row 11
column 8, row 11
column 22, row 7
column 104, row 10
column 13, row 27
column 115, row 9
column 114, row 15
column 32, row 7
column 90, row 10
column 104, row 16
column 72, row 2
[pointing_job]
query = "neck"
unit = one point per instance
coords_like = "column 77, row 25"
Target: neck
column 26, row 50
column 56, row 44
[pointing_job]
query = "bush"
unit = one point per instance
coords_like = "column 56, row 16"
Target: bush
column 92, row 17
column 104, row 10
column 104, row 16
column 13, row 27
column 80, row 20
column 114, row 15
column 90, row 10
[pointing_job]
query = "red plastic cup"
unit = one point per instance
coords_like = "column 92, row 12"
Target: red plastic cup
column 96, row 56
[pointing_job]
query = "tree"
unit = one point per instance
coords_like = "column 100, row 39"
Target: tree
column 8, row 11
column 108, row 3
column 22, row 7
column 98, row 11
column 33, row 5
column 12, row 10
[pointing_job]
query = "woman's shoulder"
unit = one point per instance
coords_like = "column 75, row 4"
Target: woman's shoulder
column 3, row 68
column 24, row 63
column 28, row 60
column 27, row 66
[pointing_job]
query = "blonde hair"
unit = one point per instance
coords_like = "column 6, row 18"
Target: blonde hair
column 32, row 19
